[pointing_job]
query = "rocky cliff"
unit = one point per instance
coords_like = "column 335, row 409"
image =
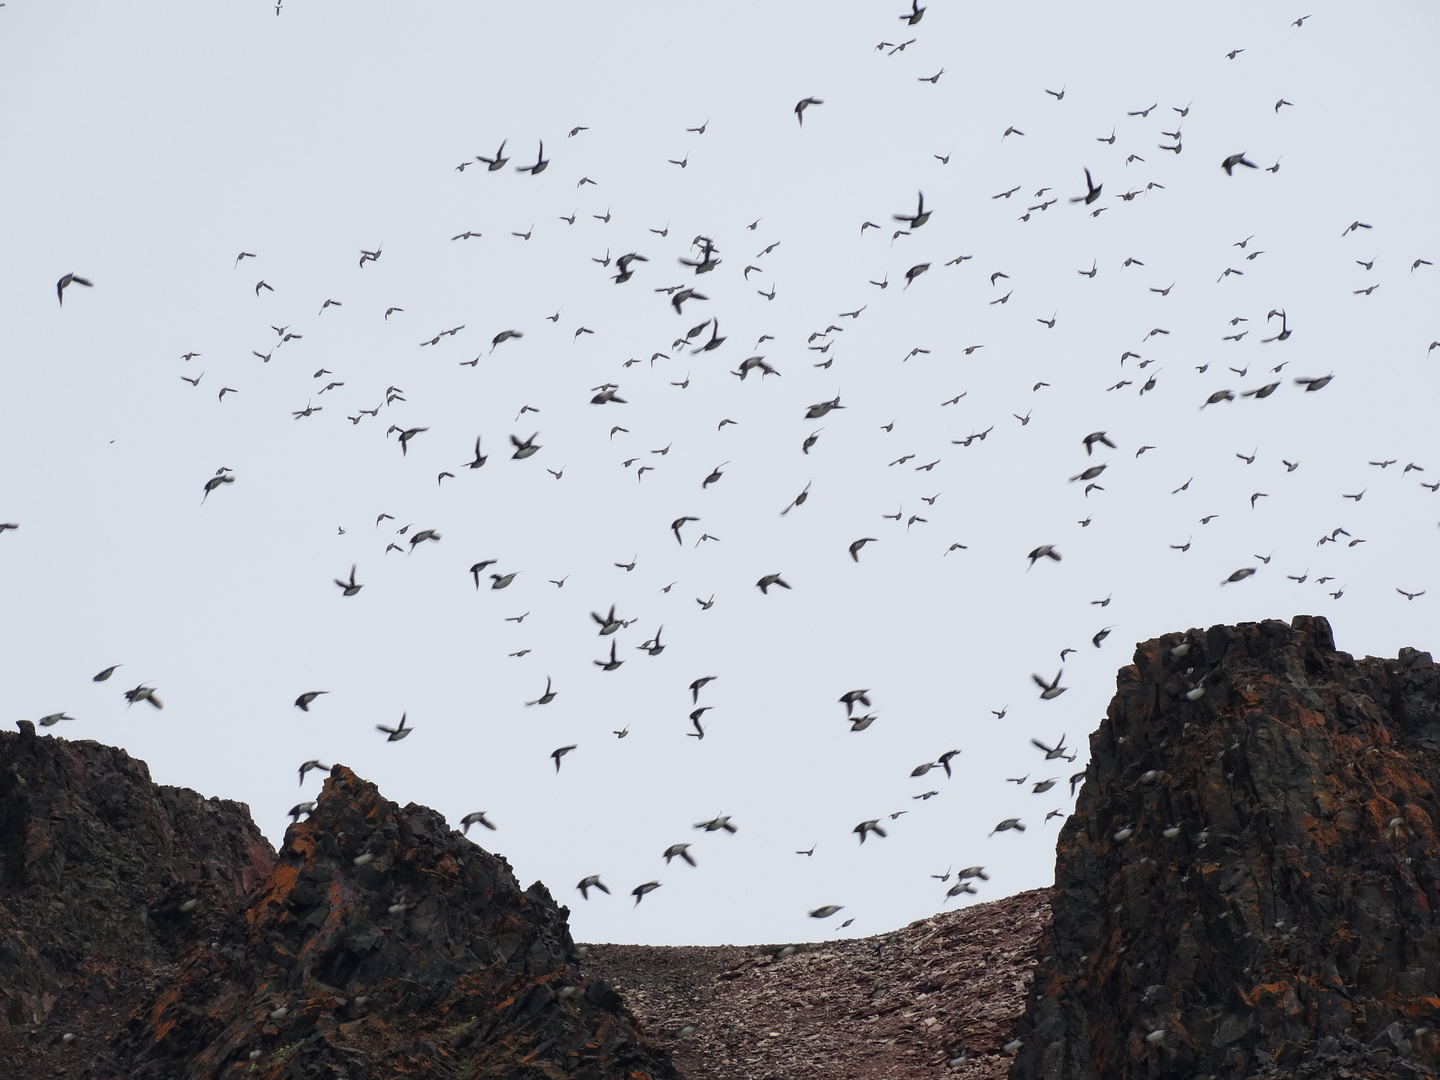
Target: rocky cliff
column 147, row 932
column 1250, row 881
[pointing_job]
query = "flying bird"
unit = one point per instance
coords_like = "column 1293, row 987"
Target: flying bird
column 1092, row 191
column 74, row 279
column 395, row 734
column 1050, row 690
column 804, row 104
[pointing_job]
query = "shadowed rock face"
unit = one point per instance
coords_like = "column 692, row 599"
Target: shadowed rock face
column 1289, row 926
column 95, row 860
column 378, row 943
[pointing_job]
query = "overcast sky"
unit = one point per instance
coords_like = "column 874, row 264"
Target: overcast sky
column 145, row 145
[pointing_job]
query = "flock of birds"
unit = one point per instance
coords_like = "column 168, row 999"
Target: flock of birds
column 710, row 255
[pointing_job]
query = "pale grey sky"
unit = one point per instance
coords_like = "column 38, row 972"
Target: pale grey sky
column 144, row 145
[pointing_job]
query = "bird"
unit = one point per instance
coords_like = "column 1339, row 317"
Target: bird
column 215, row 482
column 1094, row 437
column 559, row 753
column 1008, row 824
column 677, row 524
column 524, row 448
column 679, row 850
column 1233, row 160
column 771, row 579
column 395, row 734
column 351, row 587
column 545, row 698
column 715, row 824
column 538, row 167
column 304, row 701
column 498, row 161
column 477, row 818
column 871, row 826
column 1092, row 191
column 804, row 104
column 858, row 544
column 640, row 891
column 74, row 279
column 829, row 909
column 917, row 219
column 1410, row 595
column 313, row 763
column 594, row 882
column 608, row 623
column 1044, row 551
column 1051, row 690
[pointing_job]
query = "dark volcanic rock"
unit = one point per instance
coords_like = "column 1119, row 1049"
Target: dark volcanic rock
column 1288, row 927
column 95, row 861
column 164, row 934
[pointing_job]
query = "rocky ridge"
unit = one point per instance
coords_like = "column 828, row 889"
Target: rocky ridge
column 1245, row 889
column 163, row 934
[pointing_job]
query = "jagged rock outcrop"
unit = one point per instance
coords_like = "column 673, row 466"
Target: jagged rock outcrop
column 95, row 860
column 895, row 1006
column 1250, row 881
column 172, row 942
